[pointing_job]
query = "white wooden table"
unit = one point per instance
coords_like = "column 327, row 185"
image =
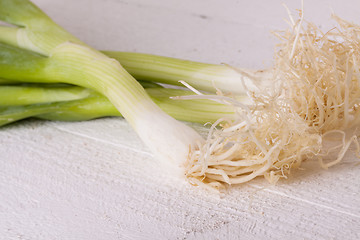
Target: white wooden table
column 96, row 180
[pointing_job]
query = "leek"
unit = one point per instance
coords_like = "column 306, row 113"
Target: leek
column 202, row 76
column 54, row 55
column 72, row 107
column 29, row 93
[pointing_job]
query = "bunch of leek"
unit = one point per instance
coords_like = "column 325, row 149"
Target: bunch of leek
column 285, row 125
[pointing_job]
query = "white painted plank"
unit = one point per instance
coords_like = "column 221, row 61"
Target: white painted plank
column 337, row 188
column 313, row 184
column 234, row 31
column 69, row 187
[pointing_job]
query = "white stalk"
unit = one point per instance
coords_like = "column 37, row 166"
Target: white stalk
column 166, row 137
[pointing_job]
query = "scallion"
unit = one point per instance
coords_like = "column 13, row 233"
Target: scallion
column 71, row 104
column 57, row 56
column 202, row 76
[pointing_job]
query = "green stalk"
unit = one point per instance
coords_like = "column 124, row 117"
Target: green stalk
column 33, row 94
column 15, row 113
column 202, row 76
column 35, row 31
column 95, row 106
column 6, row 81
column 91, row 107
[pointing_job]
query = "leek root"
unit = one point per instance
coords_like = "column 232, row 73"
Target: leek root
column 316, row 93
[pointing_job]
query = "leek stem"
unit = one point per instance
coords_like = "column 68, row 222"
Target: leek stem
column 63, row 58
column 96, row 106
column 75, row 106
column 202, row 76
column 25, row 95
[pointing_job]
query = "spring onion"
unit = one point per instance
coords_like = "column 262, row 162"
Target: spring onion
column 71, row 105
column 202, row 76
column 54, row 55
column 14, row 93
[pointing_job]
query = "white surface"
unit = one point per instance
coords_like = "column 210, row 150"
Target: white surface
column 96, row 180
